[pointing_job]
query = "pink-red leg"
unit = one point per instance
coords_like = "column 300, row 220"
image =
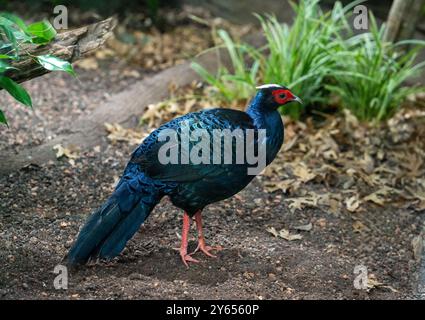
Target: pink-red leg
column 183, row 247
column 201, row 240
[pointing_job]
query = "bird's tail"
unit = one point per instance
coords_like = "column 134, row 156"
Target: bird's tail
column 108, row 229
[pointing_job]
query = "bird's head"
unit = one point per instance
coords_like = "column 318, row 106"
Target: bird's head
column 272, row 96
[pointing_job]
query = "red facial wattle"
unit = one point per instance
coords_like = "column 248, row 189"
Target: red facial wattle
column 282, row 96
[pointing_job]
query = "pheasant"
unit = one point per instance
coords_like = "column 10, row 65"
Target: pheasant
column 193, row 181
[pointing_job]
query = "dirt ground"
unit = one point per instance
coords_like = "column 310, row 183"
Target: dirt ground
column 42, row 209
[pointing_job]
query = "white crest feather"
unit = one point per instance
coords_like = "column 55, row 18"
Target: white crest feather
column 266, row 86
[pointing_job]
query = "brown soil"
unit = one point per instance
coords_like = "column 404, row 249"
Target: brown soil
column 42, row 208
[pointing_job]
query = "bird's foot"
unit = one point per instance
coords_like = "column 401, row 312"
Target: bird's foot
column 187, row 258
column 207, row 249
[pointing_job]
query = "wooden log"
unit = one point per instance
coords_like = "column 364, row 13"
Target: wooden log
column 124, row 108
column 402, row 19
column 69, row 46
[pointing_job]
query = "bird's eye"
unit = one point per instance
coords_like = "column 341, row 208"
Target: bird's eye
column 282, row 96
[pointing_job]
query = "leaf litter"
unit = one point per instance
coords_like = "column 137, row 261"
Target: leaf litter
column 71, row 152
column 284, row 234
column 369, row 169
column 188, row 34
column 355, row 166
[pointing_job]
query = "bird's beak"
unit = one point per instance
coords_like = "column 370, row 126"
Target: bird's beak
column 297, row 99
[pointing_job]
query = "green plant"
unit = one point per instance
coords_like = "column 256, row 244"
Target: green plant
column 372, row 75
column 14, row 33
column 153, row 7
column 299, row 56
column 318, row 57
column 239, row 82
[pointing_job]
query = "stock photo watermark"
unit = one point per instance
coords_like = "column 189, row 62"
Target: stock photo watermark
column 249, row 146
column 60, row 22
column 360, row 22
column 361, row 277
column 361, row 19
column 61, row 280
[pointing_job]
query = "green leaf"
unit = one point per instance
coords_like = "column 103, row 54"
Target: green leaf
column 15, row 90
column 3, row 118
column 8, row 32
column 14, row 19
column 10, row 26
column 55, row 64
column 21, row 36
column 4, row 66
column 42, row 31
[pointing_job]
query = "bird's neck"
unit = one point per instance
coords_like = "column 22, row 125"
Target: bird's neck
column 271, row 121
column 263, row 118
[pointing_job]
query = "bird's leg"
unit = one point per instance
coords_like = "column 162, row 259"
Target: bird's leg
column 183, row 248
column 201, row 240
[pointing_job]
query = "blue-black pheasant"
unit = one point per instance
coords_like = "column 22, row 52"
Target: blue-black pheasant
column 189, row 183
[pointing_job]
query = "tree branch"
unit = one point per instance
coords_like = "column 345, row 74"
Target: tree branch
column 69, row 46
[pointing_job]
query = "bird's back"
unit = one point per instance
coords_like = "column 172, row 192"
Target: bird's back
column 198, row 184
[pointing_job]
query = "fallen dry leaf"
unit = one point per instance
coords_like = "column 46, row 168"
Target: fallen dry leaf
column 131, row 73
column 302, row 202
column 372, row 283
column 63, row 224
column 70, row 153
column 118, row 133
column 302, row 172
column 331, row 200
column 367, row 163
column 288, row 146
column 304, row 227
column 321, row 222
column 419, row 205
column 152, row 113
column 379, row 197
column 358, row 226
column 352, row 203
column 284, row 234
column 284, row 185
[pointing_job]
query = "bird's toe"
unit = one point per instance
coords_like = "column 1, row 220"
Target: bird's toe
column 187, row 258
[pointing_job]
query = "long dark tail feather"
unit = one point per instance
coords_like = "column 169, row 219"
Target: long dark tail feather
column 108, row 229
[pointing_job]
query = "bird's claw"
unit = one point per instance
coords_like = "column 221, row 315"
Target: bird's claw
column 187, row 258
column 206, row 250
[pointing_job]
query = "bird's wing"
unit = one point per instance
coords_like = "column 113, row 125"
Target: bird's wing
column 146, row 155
